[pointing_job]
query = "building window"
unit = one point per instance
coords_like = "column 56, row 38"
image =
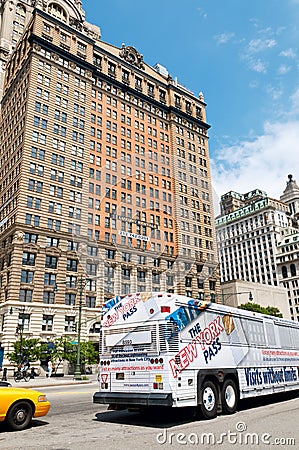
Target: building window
column 71, row 281
column 81, row 47
column 90, row 302
column 188, row 282
column 141, row 276
column 47, row 324
column 25, row 295
column 91, row 269
column 52, row 242
column 51, row 262
column 72, row 264
column 156, row 278
column 293, row 270
column 92, row 251
column 28, row 259
column 150, row 90
column 284, row 272
column 126, row 274
column 70, row 299
column 177, row 101
column 126, row 257
column 50, row 279
column 110, row 254
column 27, row 276
column 111, row 69
column 169, row 280
column 23, row 322
column 125, row 76
column 141, row 259
column 72, row 245
column 48, row 297
column 125, row 289
column 30, row 237
column 69, row 324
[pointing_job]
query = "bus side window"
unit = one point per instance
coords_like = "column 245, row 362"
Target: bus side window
column 270, row 334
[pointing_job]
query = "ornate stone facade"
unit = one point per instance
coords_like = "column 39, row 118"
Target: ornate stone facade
column 132, row 56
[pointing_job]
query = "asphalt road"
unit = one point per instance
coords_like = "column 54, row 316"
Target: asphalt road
column 75, row 423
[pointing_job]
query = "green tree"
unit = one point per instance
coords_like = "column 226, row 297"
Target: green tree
column 89, row 355
column 64, row 349
column 30, row 347
column 273, row 311
column 255, row 307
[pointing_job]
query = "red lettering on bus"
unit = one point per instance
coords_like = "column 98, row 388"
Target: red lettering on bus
column 189, row 352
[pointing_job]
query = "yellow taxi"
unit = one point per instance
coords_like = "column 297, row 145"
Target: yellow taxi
column 19, row 405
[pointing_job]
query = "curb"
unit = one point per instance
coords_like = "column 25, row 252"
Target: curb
column 47, row 383
column 68, row 383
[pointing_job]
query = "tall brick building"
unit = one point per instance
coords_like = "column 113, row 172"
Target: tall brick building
column 105, row 176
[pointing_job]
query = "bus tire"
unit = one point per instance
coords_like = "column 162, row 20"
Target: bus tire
column 229, row 397
column 208, row 400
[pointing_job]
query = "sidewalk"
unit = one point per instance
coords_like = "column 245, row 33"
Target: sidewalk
column 42, row 381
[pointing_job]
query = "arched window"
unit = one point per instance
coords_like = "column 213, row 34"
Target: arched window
column 293, row 270
column 284, row 272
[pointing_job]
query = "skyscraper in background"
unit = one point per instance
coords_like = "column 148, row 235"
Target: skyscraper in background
column 254, row 235
column 288, row 248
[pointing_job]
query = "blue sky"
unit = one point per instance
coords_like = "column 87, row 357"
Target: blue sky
column 244, row 57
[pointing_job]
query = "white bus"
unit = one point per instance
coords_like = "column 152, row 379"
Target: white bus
column 162, row 349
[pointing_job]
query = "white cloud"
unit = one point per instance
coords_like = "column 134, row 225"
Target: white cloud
column 223, row 38
column 259, row 45
column 262, row 163
column 283, row 69
column 274, row 92
column 258, row 66
column 254, row 47
column 289, row 53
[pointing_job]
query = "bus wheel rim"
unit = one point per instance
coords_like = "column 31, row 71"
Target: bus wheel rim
column 208, row 398
column 230, row 396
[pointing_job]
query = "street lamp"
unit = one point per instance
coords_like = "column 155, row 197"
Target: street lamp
column 77, row 373
column 20, row 327
column 231, row 294
column 82, row 284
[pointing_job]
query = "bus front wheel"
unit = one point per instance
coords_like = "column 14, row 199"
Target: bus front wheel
column 208, row 400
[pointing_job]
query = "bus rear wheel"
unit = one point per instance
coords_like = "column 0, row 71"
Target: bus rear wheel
column 229, row 397
column 208, row 400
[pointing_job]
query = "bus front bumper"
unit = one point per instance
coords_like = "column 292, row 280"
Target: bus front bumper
column 133, row 399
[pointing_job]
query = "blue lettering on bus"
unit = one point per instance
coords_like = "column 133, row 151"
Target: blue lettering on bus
column 212, row 350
